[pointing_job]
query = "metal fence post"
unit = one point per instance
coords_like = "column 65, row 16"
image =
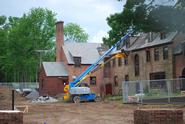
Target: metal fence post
column 125, row 91
column 168, row 90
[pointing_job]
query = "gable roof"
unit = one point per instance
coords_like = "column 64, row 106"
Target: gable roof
column 87, row 51
column 55, row 69
column 180, row 48
column 141, row 42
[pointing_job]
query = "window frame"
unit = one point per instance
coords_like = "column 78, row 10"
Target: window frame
column 156, row 54
column 91, row 79
column 148, row 56
column 136, row 65
column 165, row 53
column 77, row 61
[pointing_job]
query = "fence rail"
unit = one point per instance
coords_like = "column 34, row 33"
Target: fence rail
column 20, row 85
column 154, row 91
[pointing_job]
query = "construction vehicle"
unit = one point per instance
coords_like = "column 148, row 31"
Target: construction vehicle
column 76, row 91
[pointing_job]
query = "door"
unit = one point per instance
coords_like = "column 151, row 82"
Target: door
column 183, row 80
column 108, row 89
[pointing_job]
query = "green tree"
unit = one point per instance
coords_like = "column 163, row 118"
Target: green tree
column 74, row 33
column 145, row 16
column 26, row 35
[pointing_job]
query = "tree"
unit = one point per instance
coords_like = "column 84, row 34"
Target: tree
column 74, row 33
column 34, row 31
column 145, row 16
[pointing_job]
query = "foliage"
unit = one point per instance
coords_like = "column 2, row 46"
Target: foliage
column 74, row 33
column 21, row 40
column 146, row 17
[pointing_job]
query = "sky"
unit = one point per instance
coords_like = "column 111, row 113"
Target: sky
column 89, row 14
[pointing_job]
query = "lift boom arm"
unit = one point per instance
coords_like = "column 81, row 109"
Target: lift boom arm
column 93, row 66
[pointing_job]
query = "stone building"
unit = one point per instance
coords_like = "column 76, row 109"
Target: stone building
column 152, row 56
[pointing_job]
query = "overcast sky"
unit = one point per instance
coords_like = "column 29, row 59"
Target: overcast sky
column 89, row 14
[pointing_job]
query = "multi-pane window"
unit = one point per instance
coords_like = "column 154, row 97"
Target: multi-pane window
column 162, row 35
column 126, row 78
column 126, row 60
column 148, row 55
column 106, row 69
column 136, row 62
column 93, row 80
column 116, row 80
column 77, row 61
column 114, row 62
column 165, row 53
column 119, row 61
column 156, row 54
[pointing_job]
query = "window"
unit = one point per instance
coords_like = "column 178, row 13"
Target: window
column 156, row 54
column 126, row 60
column 126, row 77
column 165, row 53
column 162, row 35
column 77, row 61
column 116, row 80
column 156, row 81
column 127, row 43
column 106, row 69
column 148, row 55
column 93, row 80
column 136, row 65
column 114, row 62
column 119, row 61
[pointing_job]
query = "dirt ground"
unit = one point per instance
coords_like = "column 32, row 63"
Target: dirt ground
column 105, row 112
column 83, row 113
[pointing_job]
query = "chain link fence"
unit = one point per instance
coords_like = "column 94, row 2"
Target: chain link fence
column 154, row 91
column 20, row 85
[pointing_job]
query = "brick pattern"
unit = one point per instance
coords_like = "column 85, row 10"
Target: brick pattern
column 158, row 116
column 11, row 118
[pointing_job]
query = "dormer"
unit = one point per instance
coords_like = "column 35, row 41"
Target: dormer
column 162, row 35
column 77, row 61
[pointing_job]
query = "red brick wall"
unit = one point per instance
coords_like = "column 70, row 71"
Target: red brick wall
column 11, row 117
column 76, row 71
column 148, row 116
column 51, row 85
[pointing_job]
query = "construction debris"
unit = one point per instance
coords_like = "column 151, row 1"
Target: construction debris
column 34, row 94
column 44, row 99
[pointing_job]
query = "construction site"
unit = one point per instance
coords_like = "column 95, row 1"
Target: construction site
column 51, row 74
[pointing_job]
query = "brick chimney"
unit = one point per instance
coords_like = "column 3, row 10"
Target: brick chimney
column 59, row 40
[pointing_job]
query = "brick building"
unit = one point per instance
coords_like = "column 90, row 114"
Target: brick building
column 152, row 56
column 71, row 60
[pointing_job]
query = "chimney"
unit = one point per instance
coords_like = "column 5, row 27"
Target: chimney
column 59, row 40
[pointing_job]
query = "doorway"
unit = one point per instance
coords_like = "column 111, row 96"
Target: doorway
column 108, row 89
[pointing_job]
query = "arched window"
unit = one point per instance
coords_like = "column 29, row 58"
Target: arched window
column 183, row 73
column 136, row 62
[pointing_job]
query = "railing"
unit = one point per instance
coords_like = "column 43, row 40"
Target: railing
column 154, row 91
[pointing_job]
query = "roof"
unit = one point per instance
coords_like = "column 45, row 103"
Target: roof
column 142, row 41
column 87, row 51
column 55, row 69
column 180, row 48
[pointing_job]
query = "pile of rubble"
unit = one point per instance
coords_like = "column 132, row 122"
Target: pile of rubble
column 44, row 99
column 33, row 95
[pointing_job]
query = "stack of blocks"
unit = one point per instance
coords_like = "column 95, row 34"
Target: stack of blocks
column 158, row 116
column 11, row 117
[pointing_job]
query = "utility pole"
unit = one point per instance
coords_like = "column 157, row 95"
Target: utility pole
column 40, row 52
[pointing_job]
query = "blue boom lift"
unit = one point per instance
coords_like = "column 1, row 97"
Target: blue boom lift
column 75, row 91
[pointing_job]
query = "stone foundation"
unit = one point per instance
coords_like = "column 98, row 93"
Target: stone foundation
column 158, row 116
